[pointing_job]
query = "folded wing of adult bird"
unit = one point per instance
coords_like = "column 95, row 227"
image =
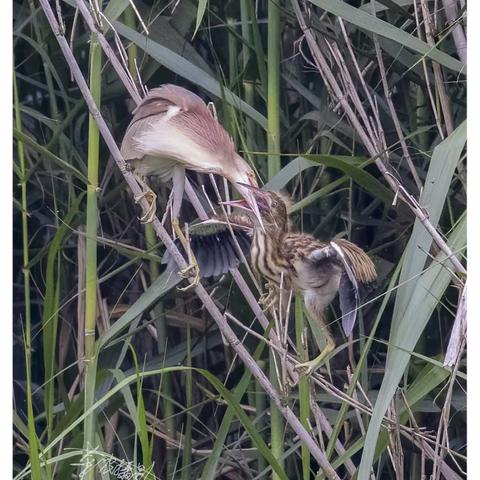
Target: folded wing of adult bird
column 172, row 131
column 290, row 260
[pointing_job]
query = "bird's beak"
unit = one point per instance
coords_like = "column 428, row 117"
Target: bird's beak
column 249, row 201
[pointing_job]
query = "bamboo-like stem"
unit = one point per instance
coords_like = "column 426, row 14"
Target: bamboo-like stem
column 32, row 436
column 91, row 251
column 257, row 40
column 187, row 445
column 202, row 294
column 260, row 408
column 248, row 86
column 303, row 387
column 132, row 49
column 277, row 427
column 273, row 94
column 273, row 167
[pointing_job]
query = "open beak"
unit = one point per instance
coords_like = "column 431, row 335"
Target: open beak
column 249, row 201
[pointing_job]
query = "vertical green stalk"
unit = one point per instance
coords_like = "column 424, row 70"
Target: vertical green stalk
column 141, row 423
column 303, row 388
column 187, row 443
column 277, row 426
column 95, row 63
column 248, row 85
column 422, row 118
column 232, row 75
column 257, row 41
column 132, row 47
column 260, row 409
column 273, row 167
column 33, row 443
column 232, row 53
column 273, row 94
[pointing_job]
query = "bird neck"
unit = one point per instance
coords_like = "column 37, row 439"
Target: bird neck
column 267, row 255
column 272, row 236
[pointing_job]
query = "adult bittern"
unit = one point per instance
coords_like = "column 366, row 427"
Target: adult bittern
column 173, row 130
column 292, row 260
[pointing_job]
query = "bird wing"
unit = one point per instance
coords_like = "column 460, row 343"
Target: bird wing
column 348, row 292
column 158, row 102
column 174, row 123
column 160, row 99
column 357, row 270
column 214, row 247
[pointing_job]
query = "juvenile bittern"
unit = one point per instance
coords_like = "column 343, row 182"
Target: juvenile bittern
column 291, row 260
column 173, row 130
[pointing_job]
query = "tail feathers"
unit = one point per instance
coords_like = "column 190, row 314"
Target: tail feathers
column 360, row 263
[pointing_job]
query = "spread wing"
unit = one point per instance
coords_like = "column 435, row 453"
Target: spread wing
column 214, row 247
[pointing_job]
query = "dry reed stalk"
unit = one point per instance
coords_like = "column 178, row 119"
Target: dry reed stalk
column 371, row 143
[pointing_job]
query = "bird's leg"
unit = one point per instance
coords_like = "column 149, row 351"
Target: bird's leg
column 268, row 298
column 192, row 269
column 177, row 197
column 151, row 197
column 307, row 368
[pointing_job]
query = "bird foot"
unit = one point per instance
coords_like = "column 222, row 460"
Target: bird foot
column 268, row 298
column 190, row 271
column 151, row 197
column 305, row 369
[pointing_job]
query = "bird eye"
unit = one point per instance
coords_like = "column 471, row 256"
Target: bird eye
column 252, row 178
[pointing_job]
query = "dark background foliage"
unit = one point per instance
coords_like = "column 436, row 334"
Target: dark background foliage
column 173, row 419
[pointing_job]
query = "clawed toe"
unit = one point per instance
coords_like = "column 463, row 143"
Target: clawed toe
column 151, row 197
column 304, row 369
column 188, row 272
column 268, row 298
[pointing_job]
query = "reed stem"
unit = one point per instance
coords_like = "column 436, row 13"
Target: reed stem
column 187, row 444
column 95, row 63
column 303, row 387
column 248, row 84
column 273, row 94
column 32, row 436
column 277, row 427
column 273, row 167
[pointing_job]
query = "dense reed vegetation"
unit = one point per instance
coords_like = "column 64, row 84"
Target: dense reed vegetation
column 356, row 109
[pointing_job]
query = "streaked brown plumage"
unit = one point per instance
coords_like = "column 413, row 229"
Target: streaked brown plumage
column 313, row 269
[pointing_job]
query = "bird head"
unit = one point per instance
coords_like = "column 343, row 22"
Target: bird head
column 241, row 175
column 272, row 206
